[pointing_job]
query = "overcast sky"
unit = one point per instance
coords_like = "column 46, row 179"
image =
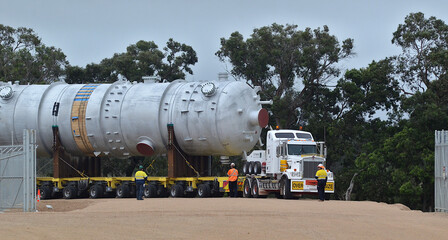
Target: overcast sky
column 88, row 31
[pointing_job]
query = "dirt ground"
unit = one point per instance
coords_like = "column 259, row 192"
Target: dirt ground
column 221, row 218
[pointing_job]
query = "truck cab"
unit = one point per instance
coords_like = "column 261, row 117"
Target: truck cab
column 288, row 164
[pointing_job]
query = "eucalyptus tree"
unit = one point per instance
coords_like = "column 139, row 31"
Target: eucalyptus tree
column 291, row 66
column 24, row 58
column 143, row 58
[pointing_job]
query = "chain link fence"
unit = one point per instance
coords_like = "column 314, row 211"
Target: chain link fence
column 18, row 174
column 440, row 171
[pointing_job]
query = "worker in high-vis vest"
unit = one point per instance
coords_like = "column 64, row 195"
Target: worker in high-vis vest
column 140, row 178
column 321, row 176
column 233, row 180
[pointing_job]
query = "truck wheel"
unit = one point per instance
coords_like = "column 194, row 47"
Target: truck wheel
column 96, row 191
column 122, row 191
column 69, row 192
column 255, row 190
column 45, row 192
column 247, row 189
column 150, row 191
column 251, row 168
column 257, row 167
column 203, row 190
column 177, row 191
column 246, row 168
column 286, row 189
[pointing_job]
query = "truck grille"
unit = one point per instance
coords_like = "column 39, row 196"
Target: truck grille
column 310, row 168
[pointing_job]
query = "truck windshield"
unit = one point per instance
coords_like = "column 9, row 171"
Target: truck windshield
column 295, row 149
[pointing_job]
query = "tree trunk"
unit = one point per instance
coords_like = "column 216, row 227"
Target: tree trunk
column 348, row 193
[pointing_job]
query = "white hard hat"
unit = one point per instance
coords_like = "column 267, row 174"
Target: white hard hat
column 232, row 164
column 320, row 165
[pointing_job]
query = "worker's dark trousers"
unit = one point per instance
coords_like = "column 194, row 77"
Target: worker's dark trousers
column 233, row 189
column 139, row 190
column 321, row 188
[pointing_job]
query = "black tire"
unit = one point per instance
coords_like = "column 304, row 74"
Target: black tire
column 247, row 189
column 96, row 191
column 150, row 191
column 257, row 167
column 122, row 191
column 251, row 167
column 132, row 191
column 286, row 189
column 56, row 194
column 254, row 190
column 69, row 192
column 161, row 191
column 246, row 168
column 203, row 190
column 177, row 190
column 45, row 192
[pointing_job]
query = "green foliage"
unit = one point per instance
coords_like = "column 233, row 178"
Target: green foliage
column 24, row 58
column 141, row 59
column 425, row 50
column 278, row 57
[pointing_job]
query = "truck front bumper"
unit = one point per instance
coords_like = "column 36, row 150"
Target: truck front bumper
column 309, row 186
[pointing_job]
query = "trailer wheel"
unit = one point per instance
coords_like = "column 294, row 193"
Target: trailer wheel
column 122, row 191
column 203, row 190
column 247, row 189
column 69, row 192
column 96, row 191
column 45, row 192
column 132, row 191
column 177, row 191
column 161, row 191
column 286, row 188
column 255, row 190
column 150, row 191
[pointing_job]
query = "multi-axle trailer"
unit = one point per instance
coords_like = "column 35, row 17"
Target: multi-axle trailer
column 123, row 187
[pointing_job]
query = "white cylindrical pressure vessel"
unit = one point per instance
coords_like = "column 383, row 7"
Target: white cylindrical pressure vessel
column 122, row 119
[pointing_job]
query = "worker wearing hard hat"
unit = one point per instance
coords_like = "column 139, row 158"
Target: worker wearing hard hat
column 233, row 180
column 321, row 176
column 140, row 178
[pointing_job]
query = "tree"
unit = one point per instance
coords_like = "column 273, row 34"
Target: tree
column 24, row 58
column 179, row 57
column 275, row 57
column 142, row 59
column 400, row 167
column 425, row 51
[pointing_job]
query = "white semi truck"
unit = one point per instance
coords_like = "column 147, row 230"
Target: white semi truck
column 287, row 167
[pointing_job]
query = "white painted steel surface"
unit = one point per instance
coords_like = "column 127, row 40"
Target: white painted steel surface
column 441, row 171
column 130, row 119
column 18, row 174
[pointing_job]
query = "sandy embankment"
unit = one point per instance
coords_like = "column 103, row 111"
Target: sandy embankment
column 221, row 218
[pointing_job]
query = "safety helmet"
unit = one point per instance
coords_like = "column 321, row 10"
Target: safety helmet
column 140, row 167
column 320, row 166
column 232, row 165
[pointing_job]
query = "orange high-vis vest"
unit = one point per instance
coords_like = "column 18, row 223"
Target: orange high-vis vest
column 233, row 174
